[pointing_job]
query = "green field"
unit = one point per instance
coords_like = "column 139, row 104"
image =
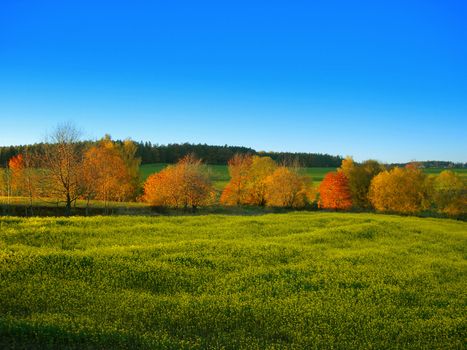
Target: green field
column 298, row 280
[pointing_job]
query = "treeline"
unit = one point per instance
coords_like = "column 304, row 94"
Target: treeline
column 65, row 170
column 261, row 181
column 434, row 164
column 217, row 155
column 172, row 153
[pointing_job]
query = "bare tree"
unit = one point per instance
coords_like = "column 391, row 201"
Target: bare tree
column 62, row 160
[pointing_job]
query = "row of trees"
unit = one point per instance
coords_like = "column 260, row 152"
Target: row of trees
column 254, row 181
column 402, row 190
column 211, row 154
column 171, row 153
column 66, row 169
column 260, row 181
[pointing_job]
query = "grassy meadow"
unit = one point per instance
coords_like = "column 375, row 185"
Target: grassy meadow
column 297, row 280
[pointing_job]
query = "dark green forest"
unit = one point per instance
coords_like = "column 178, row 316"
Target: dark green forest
column 217, row 155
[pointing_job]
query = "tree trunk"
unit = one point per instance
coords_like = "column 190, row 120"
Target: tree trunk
column 68, row 205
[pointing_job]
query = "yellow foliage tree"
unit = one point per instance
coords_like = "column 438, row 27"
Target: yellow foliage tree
column 401, row 190
column 450, row 193
column 256, row 185
column 287, row 188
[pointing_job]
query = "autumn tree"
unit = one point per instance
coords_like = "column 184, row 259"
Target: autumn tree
column 450, row 193
column 5, row 183
column 128, row 152
column 62, row 159
column 347, row 166
column 235, row 192
column 24, row 176
column 256, row 185
column 359, row 178
column 106, row 175
column 285, row 187
column 15, row 164
column 183, row 185
column 334, row 192
column 401, row 190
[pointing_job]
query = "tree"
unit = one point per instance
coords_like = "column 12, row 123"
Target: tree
column 5, row 183
column 450, row 193
column 401, row 190
column 260, row 169
column 286, row 188
column 235, row 192
column 334, row 192
column 359, row 178
column 24, row 176
column 106, row 175
column 347, row 166
column 248, row 180
column 183, row 185
column 15, row 164
column 128, row 152
column 62, row 160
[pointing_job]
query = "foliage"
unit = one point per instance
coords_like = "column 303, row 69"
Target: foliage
column 294, row 281
column 256, row 185
column 24, row 178
column 106, row 175
column 183, row 185
column 62, row 160
column 402, row 190
column 334, row 192
column 171, row 153
column 450, row 193
column 248, row 180
column 286, row 188
column 359, row 177
column 235, row 192
column 128, row 150
column 16, row 166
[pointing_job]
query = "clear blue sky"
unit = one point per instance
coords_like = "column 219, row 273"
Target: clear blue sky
column 372, row 79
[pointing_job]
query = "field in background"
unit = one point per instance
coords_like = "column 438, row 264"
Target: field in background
column 299, row 280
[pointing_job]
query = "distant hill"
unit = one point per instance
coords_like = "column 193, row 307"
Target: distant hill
column 211, row 154
column 434, row 164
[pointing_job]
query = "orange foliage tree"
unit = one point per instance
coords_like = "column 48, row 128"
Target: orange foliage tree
column 183, row 185
column 235, row 192
column 401, row 190
column 286, row 188
column 24, row 177
column 334, row 192
column 105, row 175
column 16, row 166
